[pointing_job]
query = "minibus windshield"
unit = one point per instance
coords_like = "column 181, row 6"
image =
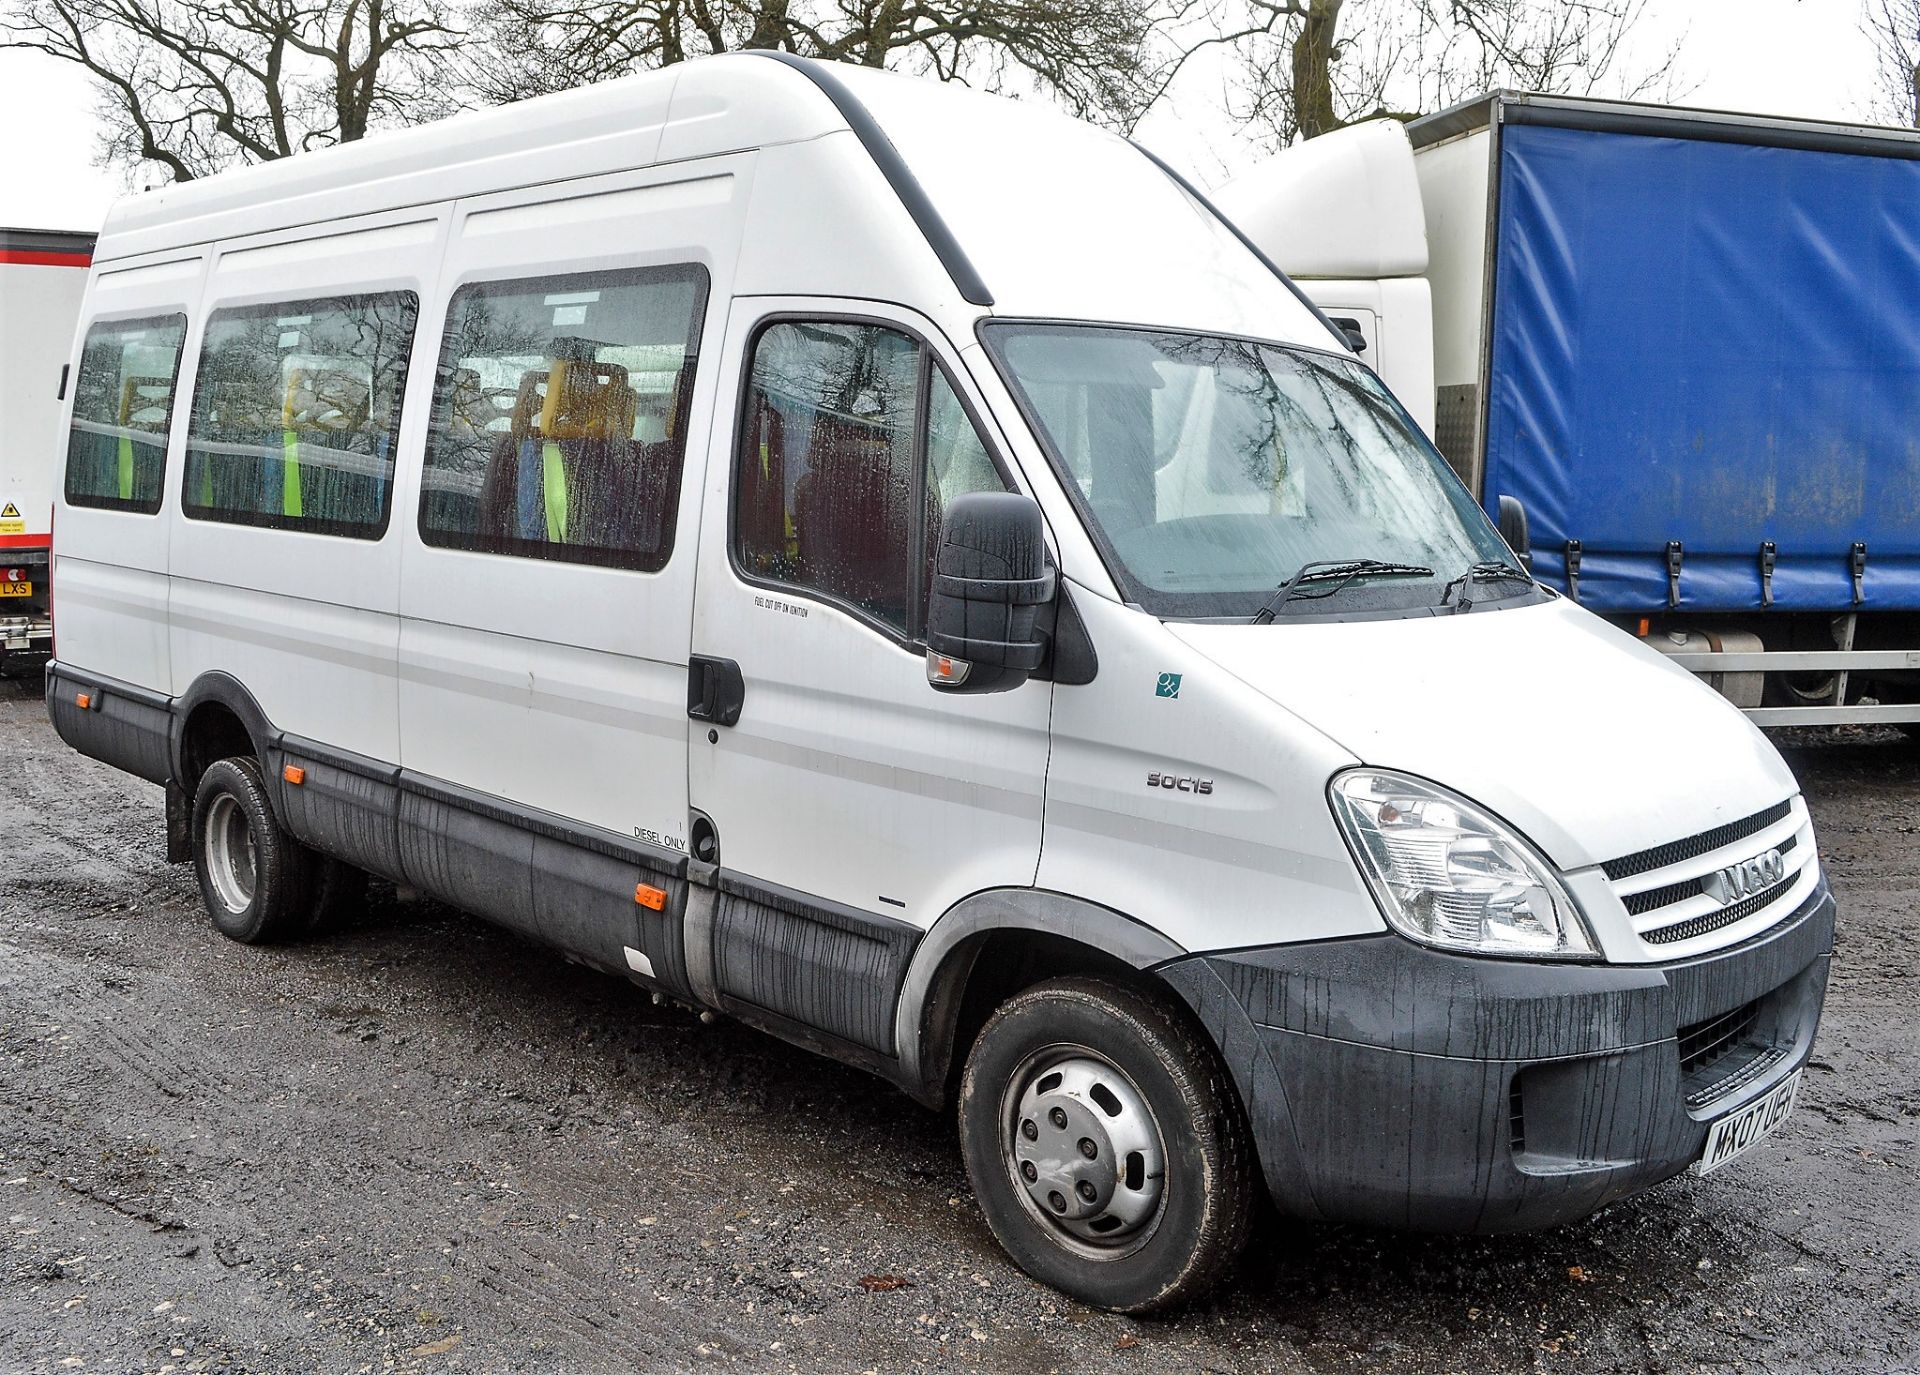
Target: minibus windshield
column 1211, row 470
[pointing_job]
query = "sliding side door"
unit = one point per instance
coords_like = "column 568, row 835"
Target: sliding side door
column 548, row 582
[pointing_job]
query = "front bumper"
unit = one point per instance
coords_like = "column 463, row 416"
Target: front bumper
column 1398, row 1086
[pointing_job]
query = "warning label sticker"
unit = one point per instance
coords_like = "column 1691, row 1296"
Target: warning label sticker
column 11, row 522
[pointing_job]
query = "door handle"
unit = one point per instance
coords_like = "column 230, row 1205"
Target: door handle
column 715, row 690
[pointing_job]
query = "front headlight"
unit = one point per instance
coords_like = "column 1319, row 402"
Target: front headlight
column 1448, row 874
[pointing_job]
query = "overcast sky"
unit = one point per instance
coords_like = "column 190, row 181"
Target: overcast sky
column 1808, row 58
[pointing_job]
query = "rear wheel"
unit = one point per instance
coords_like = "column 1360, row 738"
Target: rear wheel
column 258, row 882
column 1106, row 1145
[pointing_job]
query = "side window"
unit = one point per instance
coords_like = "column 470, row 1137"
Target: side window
column 122, row 406
column 853, row 441
column 296, row 412
column 559, row 416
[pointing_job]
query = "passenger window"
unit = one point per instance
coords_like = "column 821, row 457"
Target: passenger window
column 122, row 407
column 841, row 476
column 559, row 416
column 296, row 412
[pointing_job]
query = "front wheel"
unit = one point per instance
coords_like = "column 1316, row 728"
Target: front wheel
column 1107, row 1148
column 257, row 881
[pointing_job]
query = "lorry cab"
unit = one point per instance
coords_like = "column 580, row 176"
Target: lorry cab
column 757, row 528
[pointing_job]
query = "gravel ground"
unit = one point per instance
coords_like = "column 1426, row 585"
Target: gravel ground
column 419, row 1143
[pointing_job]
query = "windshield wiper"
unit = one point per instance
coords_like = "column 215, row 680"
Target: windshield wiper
column 1340, row 572
column 1487, row 570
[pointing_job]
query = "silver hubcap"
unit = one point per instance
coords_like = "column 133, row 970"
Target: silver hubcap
column 230, row 857
column 1084, row 1148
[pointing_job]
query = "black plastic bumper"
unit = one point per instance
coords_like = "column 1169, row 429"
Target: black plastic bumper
column 1398, row 1086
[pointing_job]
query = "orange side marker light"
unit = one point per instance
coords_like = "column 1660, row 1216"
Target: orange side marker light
column 84, row 701
column 294, row 774
column 1645, row 625
column 650, row 897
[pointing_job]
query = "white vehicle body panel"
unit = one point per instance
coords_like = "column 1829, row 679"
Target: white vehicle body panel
column 308, row 621
column 1255, row 860
column 845, row 765
column 576, row 672
column 38, row 305
column 115, row 563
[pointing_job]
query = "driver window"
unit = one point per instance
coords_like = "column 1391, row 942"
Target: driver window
column 852, row 446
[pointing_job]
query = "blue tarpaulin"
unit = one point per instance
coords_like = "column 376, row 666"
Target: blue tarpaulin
column 1715, row 343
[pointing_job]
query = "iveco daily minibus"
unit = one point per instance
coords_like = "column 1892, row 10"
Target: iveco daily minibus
column 895, row 567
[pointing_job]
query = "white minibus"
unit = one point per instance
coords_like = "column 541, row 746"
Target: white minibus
column 893, row 566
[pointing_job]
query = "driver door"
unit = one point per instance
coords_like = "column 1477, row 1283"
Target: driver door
column 849, row 803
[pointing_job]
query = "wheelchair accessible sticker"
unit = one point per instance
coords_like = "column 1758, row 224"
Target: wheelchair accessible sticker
column 1168, row 686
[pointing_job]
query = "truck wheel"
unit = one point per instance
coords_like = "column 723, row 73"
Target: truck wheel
column 257, row 881
column 1106, row 1145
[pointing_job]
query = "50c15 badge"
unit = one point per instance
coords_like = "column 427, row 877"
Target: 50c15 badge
column 1179, row 783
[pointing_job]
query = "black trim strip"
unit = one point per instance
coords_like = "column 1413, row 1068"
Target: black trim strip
column 1709, row 922
column 1652, row 900
column 1251, row 247
column 810, row 963
column 1692, row 847
column 535, row 822
column 344, row 760
column 870, row 924
column 893, row 167
column 147, row 697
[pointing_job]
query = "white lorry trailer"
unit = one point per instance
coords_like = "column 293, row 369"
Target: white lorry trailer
column 43, row 275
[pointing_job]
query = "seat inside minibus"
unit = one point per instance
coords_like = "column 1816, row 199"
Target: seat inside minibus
column 569, row 468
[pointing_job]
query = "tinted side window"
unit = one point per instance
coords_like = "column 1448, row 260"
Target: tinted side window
column 122, row 406
column 296, row 412
column 852, row 443
column 559, row 416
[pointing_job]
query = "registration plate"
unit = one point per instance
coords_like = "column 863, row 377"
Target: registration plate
column 1738, row 1132
column 16, row 589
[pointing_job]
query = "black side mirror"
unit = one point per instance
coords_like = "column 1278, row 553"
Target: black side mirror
column 990, row 580
column 1350, row 327
column 1513, row 529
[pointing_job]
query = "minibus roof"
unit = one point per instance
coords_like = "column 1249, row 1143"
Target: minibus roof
column 1018, row 206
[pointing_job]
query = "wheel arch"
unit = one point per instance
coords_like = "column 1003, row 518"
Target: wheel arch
column 1032, row 934
column 209, row 718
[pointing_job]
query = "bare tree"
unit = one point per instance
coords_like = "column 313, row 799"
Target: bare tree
column 1894, row 27
column 191, row 86
column 1102, row 59
column 1317, row 65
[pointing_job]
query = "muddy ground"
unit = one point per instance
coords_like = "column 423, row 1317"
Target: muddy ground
column 421, row 1144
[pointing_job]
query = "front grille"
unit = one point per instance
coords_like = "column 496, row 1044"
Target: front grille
column 1705, row 1043
column 1726, row 916
column 1655, row 898
column 1678, row 851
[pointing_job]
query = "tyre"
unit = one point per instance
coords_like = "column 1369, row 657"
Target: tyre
column 1106, row 1145
column 258, row 882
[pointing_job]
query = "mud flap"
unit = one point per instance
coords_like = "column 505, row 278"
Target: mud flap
column 179, row 824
